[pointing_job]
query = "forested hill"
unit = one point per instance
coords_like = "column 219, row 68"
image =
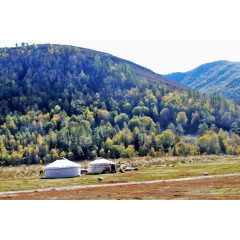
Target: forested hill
column 63, row 101
column 41, row 76
column 222, row 76
column 141, row 71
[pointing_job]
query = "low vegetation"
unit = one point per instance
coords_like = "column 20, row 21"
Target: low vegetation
column 27, row 177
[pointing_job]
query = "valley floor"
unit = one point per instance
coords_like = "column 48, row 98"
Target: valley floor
column 158, row 180
column 216, row 187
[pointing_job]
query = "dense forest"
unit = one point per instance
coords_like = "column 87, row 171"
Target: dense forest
column 63, row 101
column 223, row 76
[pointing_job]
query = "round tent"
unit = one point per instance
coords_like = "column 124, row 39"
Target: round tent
column 62, row 168
column 101, row 165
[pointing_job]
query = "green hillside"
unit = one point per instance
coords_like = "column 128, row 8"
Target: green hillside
column 78, row 103
column 222, row 76
column 41, row 76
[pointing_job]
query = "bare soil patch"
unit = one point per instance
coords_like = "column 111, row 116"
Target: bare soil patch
column 204, row 188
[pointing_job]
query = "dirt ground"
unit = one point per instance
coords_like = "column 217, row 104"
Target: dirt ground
column 226, row 187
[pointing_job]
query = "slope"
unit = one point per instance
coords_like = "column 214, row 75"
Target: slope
column 43, row 74
column 223, row 76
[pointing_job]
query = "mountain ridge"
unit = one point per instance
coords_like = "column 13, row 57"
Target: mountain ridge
column 139, row 69
column 222, row 76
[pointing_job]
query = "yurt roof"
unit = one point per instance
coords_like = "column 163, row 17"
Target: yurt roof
column 101, row 161
column 62, row 163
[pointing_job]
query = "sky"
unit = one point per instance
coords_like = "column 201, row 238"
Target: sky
column 164, row 36
column 161, row 56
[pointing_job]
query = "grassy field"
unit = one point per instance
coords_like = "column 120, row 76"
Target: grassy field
column 27, row 177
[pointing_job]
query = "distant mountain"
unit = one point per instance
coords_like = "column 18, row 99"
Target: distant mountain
column 223, row 76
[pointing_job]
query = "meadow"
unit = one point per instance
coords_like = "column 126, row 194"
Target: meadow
column 27, row 177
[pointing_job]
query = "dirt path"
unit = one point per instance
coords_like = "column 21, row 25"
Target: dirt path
column 15, row 193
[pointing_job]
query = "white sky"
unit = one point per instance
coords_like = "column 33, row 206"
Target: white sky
column 164, row 36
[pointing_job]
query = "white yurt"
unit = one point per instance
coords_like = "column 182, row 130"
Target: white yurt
column 100, row 166
column 62, row 168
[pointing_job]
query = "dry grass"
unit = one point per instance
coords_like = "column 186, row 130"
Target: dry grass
column 27, row 177
column 167, row 161
column 205, row 189
column 15, row 172
column 20, row 171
